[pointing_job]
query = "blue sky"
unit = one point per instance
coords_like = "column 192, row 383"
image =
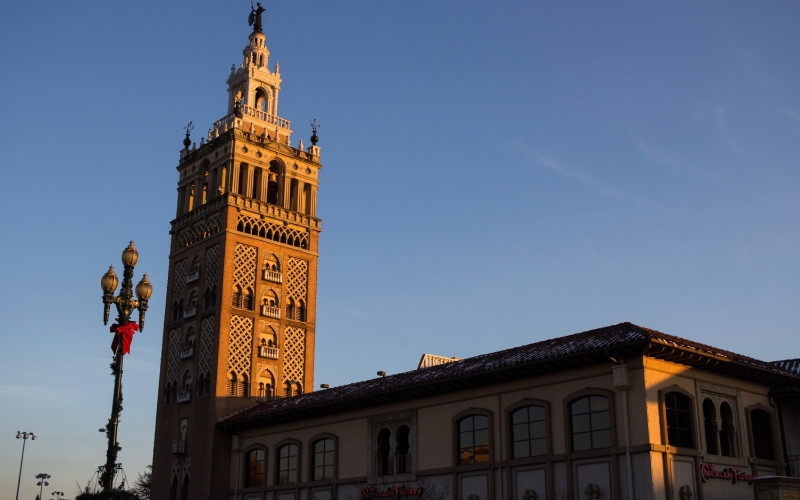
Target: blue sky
column 494, row 174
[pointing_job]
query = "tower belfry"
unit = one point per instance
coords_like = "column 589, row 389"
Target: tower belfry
column 241, row 299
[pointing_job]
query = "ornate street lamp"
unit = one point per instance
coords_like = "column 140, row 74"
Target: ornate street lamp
column 24, row 436
column 42, row 482
column 58, row 494
column 123, row 330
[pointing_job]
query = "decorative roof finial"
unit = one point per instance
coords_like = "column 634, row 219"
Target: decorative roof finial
column 314, row 126
column 254, row 19
column 188, row 128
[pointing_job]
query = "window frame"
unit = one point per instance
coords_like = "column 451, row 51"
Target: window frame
column 246, row 476
column 751, row 433
column 278, row 461
column 312, row 453
column 457, row 434
column 692, row 416
column 548, row 441
column 569, row 424
column 393, row 422
column 718, row 396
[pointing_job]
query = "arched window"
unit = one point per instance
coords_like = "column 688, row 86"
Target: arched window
column 402, row 447
column 233, row 384
column 324, row 458
column 678, row 408
column 249, row 299
column 254, row 466
column 761, row 429
column 383, row 449
column 237, row 297
column 185, row 487
column 528, row 432
column 273, row 184
column 473, row 439
column 301, row 310
column 591, row 426
column 290, row 308
column 710, row 426
column 288, row 464
column 243, row 175
column 727, row 433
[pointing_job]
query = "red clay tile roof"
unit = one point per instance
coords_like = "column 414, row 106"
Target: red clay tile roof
column 580, row 349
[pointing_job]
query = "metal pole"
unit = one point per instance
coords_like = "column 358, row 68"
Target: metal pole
column 113, row 421
column 19, row 478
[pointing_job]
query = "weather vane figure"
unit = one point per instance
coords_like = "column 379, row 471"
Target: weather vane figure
column 255, row 17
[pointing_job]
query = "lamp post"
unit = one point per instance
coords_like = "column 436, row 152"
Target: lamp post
column 24, row 436
column 42, row 482
column 123, row 332
column 58, row 494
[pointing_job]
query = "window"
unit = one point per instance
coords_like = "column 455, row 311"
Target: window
column 528, row 432
column 392, row 445
column 591, row 428
column 287, row 464
column 384, row 438
column 678, row 408
column 473, row 439
column 719, row 424
column 255, row 465
column 761, row 434
column 401, row 449
column 324, row 450
column 727, row 438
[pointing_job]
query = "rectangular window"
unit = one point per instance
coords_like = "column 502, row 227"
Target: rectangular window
column 591, row 428
column 473, row 441
column 323, row 459
column 287, row 464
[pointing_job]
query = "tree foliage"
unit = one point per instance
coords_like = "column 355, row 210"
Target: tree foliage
column 111, row 495
column 142, row 485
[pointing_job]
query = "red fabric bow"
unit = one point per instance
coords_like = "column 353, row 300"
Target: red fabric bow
column 124, row 334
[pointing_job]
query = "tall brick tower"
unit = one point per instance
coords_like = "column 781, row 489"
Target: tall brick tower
column 241, row 293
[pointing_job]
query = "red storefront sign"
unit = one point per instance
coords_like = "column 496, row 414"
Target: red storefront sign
column 390, row 492
column 734, row 475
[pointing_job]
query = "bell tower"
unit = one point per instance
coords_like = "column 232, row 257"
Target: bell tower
column 241, row 294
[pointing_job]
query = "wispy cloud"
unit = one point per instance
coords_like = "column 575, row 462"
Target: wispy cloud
column 669, row 160
column 599, row 186
column 790, row 112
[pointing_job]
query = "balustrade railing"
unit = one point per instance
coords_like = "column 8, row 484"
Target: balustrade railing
column 179, row 446
column 187, row 352
column 268, row 352
column 190, row 312
column 273, row 276
column 270, row 311
column 184, row 396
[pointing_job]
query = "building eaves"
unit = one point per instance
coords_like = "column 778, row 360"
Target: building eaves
column 581, row 349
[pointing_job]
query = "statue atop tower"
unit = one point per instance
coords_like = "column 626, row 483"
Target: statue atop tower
column 255, row 17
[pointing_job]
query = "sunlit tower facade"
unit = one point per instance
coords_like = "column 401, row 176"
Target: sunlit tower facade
column 240, row 318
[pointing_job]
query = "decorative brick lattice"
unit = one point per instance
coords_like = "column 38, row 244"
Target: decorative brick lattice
column 175, row 469
column 199, row 231
column 179, row 280
column 187, row 468
column 294, row 344
column 206, row 346
column 244, row 266
column 294, row 236
column 297, row 284
column 173, row 355
column 212, row 267
column 240, row 350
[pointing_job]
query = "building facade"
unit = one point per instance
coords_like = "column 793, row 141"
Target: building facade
column 241, row 293
column 621, row 412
